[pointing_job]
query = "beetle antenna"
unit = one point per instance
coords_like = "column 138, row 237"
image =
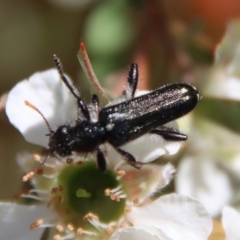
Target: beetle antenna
column 70, row 86
column 37, row 110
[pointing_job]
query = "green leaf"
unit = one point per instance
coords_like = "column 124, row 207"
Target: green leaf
column 223, row 111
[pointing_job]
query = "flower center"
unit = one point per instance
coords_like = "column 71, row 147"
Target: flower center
column 82, row 194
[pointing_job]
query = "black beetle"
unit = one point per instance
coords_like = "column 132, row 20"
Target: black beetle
column 124, row 120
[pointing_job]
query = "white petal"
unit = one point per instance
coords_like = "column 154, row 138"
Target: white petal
column 16, row 219
column 178, row 217
column 150, row 147
column 146, row 148
column 138, row 233
column 228, row 87
column 202, row 179
column 47, row 93
column 231, row 223
column 225, row 74
column 149, row 180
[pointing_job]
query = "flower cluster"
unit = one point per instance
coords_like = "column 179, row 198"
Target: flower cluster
column 76, row 200
column 210, row 168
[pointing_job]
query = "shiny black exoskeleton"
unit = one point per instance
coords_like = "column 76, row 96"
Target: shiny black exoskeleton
column 123, row 121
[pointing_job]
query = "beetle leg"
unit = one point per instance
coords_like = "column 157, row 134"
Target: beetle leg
column 95, row 102
column 132, row 82
column 129, row 158
column 101, row 161
column 170, row 134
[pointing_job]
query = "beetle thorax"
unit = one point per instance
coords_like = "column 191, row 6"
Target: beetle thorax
column 83, row 137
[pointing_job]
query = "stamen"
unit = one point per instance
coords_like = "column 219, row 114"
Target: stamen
column 50, row 176
column 90, row 216
column 28, row 176
column 58, row 198
column 47, row 225
column 107, row 192
column 57, row 237
column 116, row 189
column 69, row 160
column 49, row 165
column 116, row 167
column 40, row 223
column 37, row 170
column 79, row 163
column 80, row 232
column 109, row 230
column 30, row 196
column 70, row 227
column 36, row 157
column 136, row 201
column 69, row 233
column 121, row 173
column 123, row 224
column 95, row 224
column 122, row 195
column 93, row 219
column 59, row 228
column 114, row 197
column 55, row 190
column 36, row 224
column 115, row 194
column 69, row 236
column 128, row 209
column 38, row 191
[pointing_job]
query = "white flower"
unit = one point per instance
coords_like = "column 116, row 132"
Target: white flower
column 231, row 223
column 129, row 205
column 204, row 173
column 212, row 163
column 83, row 201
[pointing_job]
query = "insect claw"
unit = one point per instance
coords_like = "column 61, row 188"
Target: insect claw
column 137, row 165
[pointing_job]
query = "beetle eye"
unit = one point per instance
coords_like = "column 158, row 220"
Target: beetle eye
column 64, row 130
